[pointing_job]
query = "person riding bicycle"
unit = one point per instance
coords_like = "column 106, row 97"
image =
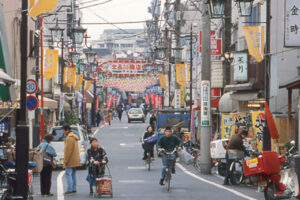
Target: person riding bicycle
column 168, row 142
column 235, row 143
column 152, row 121
column 148, row 147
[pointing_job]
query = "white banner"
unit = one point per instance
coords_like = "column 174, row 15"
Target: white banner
column 240, row 63
column 205, row 103
column 292, row 23
column 177, row 98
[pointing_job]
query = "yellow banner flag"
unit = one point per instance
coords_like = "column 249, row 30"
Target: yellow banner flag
column 258, row 123
column 51, row 63
column 70, row 74
column 182, row 101
column 39, row 7
column 227, row 126
column 78, row 81
column 164, row 81
column 255, row 37
column 182, row 74
column 87, row 85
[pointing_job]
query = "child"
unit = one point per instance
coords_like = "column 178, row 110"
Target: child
column 97, row 161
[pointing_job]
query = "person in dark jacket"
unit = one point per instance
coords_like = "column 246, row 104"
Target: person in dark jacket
column 120, row 112
column 168, row 142
column 235, row 143
column 146, row 146
column 97, row 160
column 153, row 121
column 46, row 173
column 98, row 118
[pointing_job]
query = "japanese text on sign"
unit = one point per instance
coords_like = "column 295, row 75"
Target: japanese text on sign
column 240, row 67
column 205, row 103
column 292, row 23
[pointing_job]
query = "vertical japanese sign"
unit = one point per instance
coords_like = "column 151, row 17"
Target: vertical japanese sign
column 292, row 23
column 227, row 126
column 258, row 120
column 182, row 96
column 182, row 74
column 61, row 107
column 240, row 67
column 255, row 38
column 177, row 98
column 51, row 62
column 205, row 103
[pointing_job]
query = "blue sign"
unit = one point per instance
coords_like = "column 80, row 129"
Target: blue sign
column 3, row 127
column 32, row 102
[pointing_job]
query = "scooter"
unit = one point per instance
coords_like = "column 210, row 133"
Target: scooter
column 276, row 174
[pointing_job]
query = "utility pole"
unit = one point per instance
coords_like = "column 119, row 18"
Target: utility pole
column 191, row 76
column 36, row 130
column 177, row 31
column 205, row 77
column 227, row 40
column 22, row 131
column 266, row 136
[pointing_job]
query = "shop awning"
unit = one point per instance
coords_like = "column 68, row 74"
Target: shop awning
column 241, row 86
column 5, row 78
column 291, row 84
column 48, row 103
column 227, row 104
column 244, row 96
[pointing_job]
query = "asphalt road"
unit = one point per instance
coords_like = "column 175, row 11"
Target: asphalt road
column 131, row 180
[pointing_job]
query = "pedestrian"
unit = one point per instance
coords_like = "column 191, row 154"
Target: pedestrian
column 98, row 118
column 120, row 112
column 97, row 160
column 153, row 121
column 46, row 173
column 109, row 116
column 71, row 158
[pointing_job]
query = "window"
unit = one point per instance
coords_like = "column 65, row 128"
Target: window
column 60, row 136
column 254, row 19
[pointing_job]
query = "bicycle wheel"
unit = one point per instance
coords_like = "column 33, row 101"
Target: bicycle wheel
column 148, row 161
column 168, row 175
column 5, row 195
column 237, row 173
column 197, row 164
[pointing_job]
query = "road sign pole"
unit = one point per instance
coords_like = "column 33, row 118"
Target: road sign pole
column 42, row 80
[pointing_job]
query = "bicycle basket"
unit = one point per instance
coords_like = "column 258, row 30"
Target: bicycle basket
column 236, row 154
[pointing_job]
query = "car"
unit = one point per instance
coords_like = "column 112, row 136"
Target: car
column 59, row 140
column 136, row 114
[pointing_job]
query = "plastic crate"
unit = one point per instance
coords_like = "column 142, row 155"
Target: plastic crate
column 268, row 163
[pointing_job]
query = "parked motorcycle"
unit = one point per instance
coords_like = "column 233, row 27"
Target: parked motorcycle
column 276, row 174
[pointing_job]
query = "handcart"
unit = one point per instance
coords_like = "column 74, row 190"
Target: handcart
column 104, row 185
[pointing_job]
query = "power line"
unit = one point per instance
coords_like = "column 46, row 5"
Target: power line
column 94, row 4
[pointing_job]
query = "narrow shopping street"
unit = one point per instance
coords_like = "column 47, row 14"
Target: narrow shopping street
column 131, row 180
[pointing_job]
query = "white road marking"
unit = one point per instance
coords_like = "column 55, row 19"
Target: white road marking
column 131, row 181
column 60, row 186
column 129, row 144
column 214, row 184
column 137, row 167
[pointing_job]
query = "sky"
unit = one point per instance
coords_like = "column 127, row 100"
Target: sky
column 114, row 11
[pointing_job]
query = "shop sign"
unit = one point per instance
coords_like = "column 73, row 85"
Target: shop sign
column 205, row 103
column 292, row 23
column 240, row 64
column 177, row 98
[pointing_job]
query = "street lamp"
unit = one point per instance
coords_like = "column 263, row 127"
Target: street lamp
column 90, row 55
column 78, row 34
column 160, row 52
column 74, row 57
column 56, row 33
column 245, row 7
column 217, row 8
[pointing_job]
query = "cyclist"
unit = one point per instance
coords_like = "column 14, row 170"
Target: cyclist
column 235, row 143
column 152, row 121
column 168, row 142
column 148, row 146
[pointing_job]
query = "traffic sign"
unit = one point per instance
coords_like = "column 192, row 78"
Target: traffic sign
column 32, row 102
column 31, row 86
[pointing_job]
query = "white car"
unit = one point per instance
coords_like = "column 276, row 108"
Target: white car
column 59, row 140
column 136, row 114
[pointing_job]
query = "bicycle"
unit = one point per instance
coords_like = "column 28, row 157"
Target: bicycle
column 148, row 161
column 237, row 167
column 170, row 162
